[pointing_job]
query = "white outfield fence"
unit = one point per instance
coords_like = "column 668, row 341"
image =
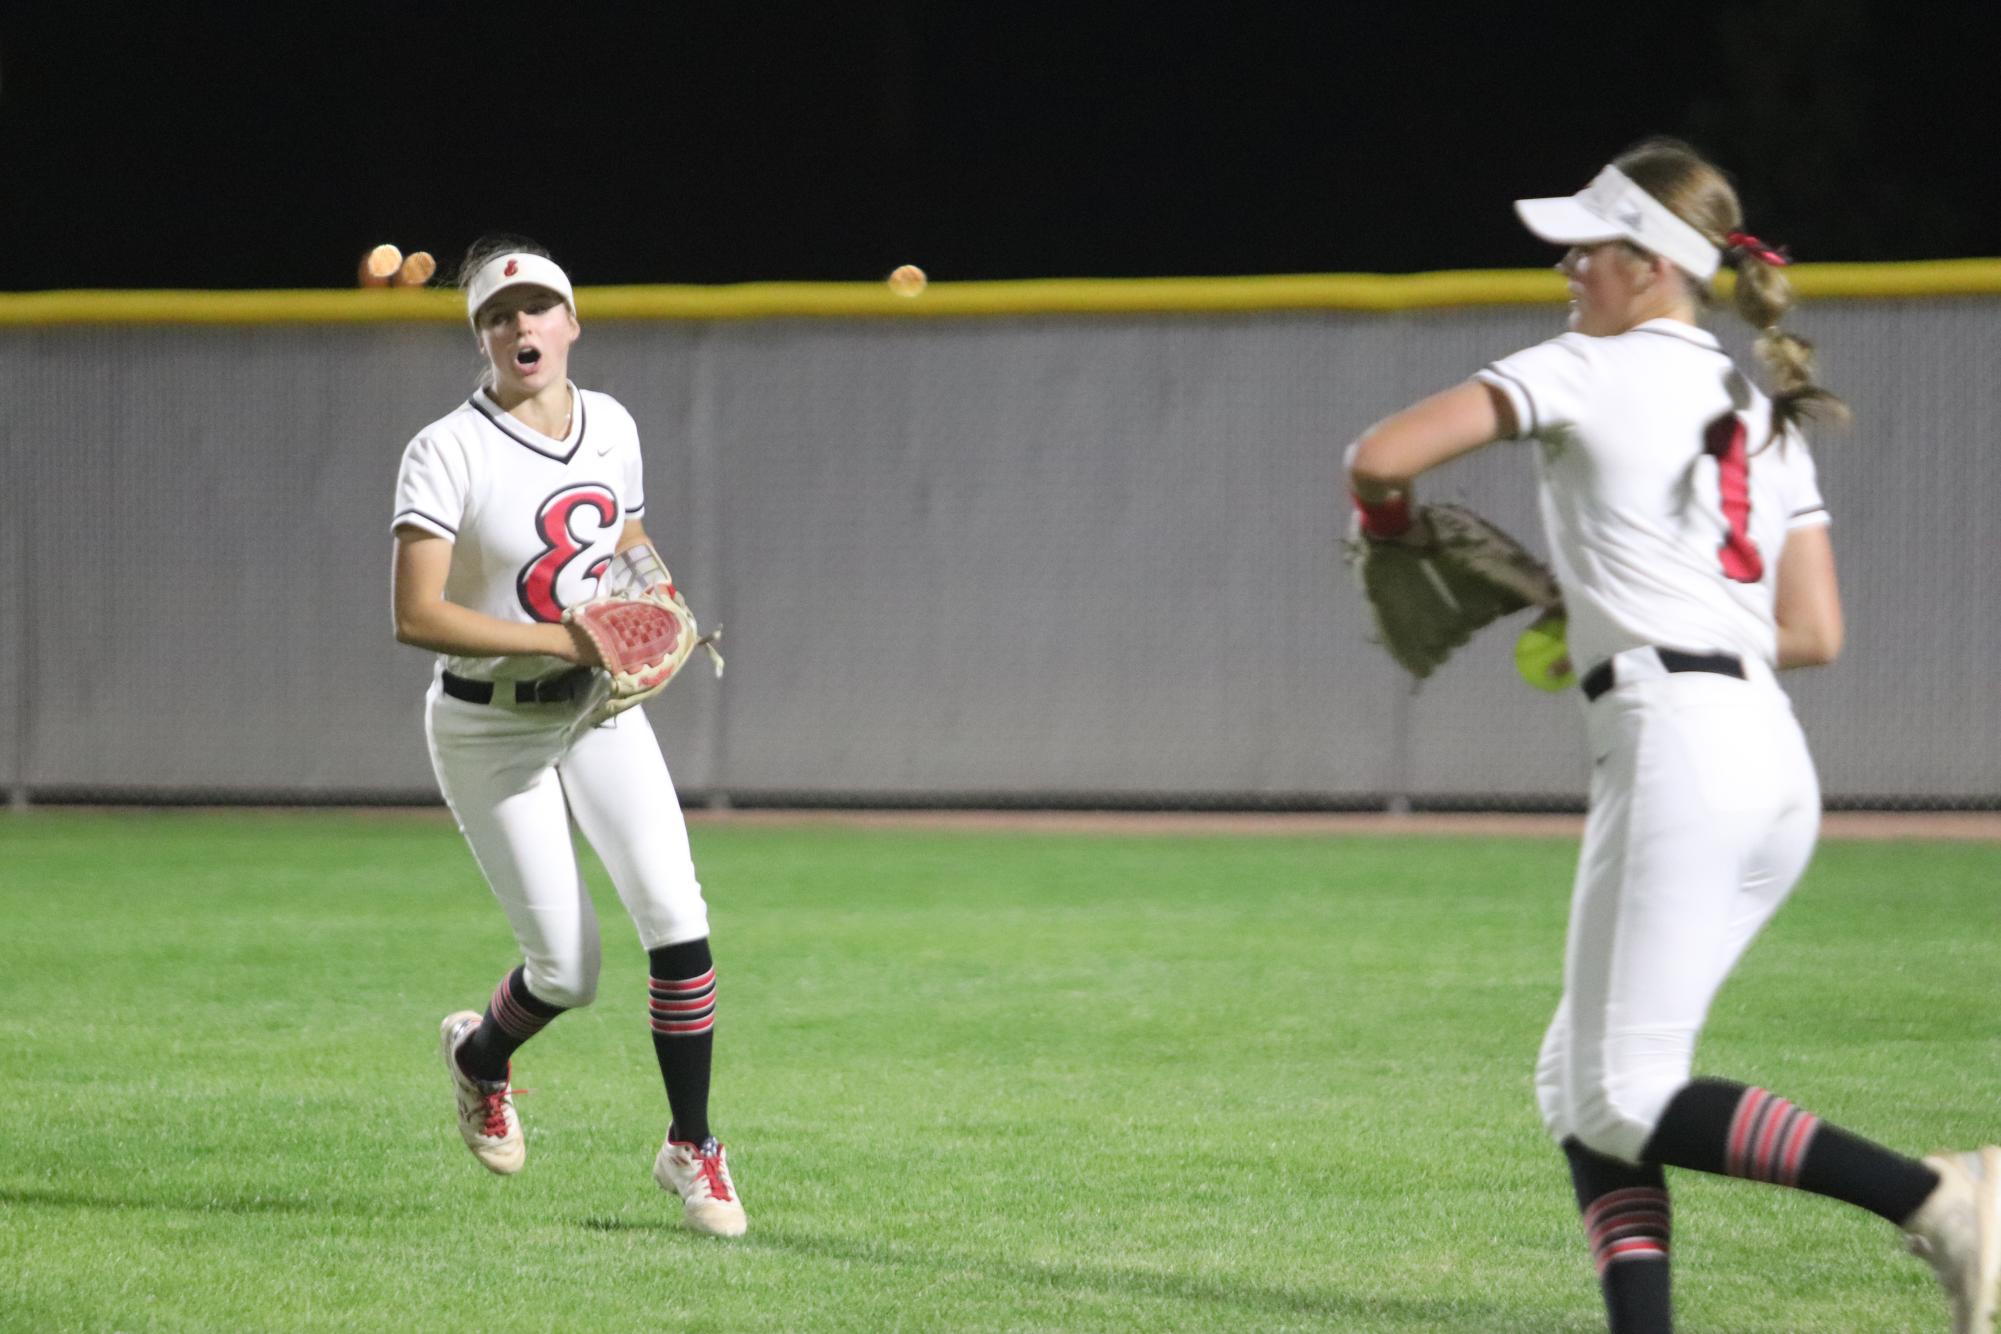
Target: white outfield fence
column 1013, row 544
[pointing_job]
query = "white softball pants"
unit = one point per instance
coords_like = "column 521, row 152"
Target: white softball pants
column 1704, row 810
column 514, row 787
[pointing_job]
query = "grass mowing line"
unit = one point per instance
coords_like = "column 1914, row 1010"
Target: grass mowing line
column 971, row 1082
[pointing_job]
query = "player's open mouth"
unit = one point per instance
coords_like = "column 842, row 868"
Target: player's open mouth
column 527, row 357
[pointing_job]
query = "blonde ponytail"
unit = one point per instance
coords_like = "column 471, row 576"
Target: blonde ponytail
column 1762, row 299
column 1700, row 195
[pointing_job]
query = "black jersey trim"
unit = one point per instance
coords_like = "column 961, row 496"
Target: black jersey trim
column 1535, row 419
column 429, row 518
column 519, row 435
column 1810, row 509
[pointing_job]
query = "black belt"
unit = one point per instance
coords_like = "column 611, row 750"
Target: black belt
column 558, row 689
column 1599, row 679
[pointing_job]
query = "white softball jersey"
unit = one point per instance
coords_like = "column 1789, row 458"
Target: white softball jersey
column 1664, row 500
column 533, row 520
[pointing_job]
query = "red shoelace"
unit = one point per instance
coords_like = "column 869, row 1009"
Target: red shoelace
column 495, row 1125
column 712, row 1168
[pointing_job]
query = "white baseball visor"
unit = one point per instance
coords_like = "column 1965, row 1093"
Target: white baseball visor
column 517, row 270
column 1613, row 208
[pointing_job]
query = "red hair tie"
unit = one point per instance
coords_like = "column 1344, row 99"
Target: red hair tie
column 1745, row 243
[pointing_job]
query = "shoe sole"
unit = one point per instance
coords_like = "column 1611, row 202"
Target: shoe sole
column 735, row 1228
column 449, row 1050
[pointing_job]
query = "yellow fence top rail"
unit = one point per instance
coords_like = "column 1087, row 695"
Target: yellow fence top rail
column 954, row 300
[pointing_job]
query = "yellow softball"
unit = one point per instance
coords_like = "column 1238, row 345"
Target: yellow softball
column 1542, row 655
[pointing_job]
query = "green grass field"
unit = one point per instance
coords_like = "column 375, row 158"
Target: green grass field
column 970, row 1082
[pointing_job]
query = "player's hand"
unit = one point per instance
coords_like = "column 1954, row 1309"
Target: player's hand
column 576, row 646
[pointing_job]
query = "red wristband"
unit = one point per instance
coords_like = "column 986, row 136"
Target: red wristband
column 1386, row 518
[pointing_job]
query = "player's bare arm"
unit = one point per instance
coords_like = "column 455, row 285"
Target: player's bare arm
column 1807, row 601
column 426, row 619
column 633, row 535
column 1432, row 575
column 1401, row 447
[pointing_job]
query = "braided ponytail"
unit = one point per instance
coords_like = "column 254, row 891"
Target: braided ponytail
column 1700, row 195
column 1762, row 298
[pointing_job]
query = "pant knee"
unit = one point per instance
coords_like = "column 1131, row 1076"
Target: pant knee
column 1549, row 1081
column 1552, row 1105
column 1609, row 1093
column 569, row 986
column 1549, row 1104
column 1618, row 1122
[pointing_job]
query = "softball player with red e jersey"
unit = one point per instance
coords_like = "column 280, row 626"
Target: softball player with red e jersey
column 1688, row 533
column 509, row 510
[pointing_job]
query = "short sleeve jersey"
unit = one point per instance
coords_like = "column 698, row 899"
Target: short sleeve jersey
column 533, row 521
column 1665, row 502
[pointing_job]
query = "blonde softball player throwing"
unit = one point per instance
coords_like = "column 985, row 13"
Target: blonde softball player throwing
column 509, row 511
column 1692, row 547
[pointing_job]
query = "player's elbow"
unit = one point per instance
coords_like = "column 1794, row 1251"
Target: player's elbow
column 1372, row 466
column 412, row 627
column 1814, row 644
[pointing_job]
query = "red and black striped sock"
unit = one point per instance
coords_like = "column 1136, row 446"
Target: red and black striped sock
column 512, row 1017
column 1626, row 1222
column 681, row 996
column 1715, row 1125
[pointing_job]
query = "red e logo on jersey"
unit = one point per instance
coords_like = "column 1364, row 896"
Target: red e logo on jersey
column 541, row 582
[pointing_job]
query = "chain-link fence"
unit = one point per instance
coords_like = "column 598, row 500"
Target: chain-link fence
column 1031, row 561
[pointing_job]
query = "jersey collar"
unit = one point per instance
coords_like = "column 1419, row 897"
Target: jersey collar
column 521, row 433
column 1687, row 333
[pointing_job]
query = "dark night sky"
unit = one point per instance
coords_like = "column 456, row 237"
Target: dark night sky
column 232, row 145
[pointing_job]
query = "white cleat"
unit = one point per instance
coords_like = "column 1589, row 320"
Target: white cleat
column 486, row 1116
column 1958, row 1232
column 700, row 1175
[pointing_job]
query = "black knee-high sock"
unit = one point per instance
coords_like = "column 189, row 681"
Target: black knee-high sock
column 512, row 1017
column 1626, row 1219
column 682, row 1002
column 1714, row 1125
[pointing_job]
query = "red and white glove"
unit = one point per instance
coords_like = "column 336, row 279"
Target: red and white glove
column 642, row 640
